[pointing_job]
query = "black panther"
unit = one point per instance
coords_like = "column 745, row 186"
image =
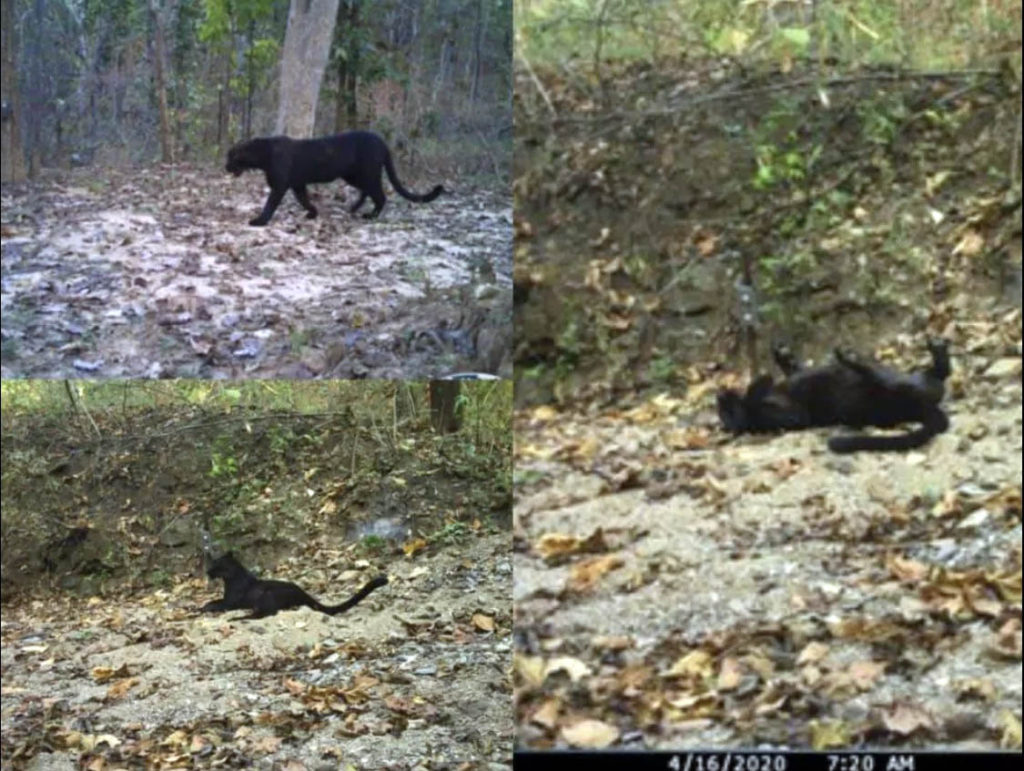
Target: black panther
column 847, row 392
column 358, row 157
column 244, row 591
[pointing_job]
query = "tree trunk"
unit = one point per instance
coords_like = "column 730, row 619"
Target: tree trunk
column 478, row 35
column 12, row 157
column 445, row 412
column 166, row 147
column 307, row 44
column 251, row 85
column 223, row 94
column 351, row 117
column 348, row 65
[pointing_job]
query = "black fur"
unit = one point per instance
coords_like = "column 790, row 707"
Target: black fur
column 244, row 591
column 358, row 157
column 848, row 392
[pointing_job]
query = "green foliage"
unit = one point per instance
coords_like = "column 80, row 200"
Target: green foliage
column 780, row 152
column 160, row 578
column 452, row 534
column 222, row 465
column 779, row 271
column 222, row 18
column 24, row 396
column 259, row 62
column 372, row 544
column 917, row 34
column 881, row 119
column 662, row 369
column 245, row 27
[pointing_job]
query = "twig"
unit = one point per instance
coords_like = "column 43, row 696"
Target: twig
column 1015, row 153
column 845, row 80
column 537, row 83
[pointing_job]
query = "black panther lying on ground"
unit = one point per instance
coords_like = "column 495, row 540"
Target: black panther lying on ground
column 848, row 392
column 358, row 157
column 244, row 591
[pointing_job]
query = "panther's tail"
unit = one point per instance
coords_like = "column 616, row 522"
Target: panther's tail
column 389, row 166
column 374, row 583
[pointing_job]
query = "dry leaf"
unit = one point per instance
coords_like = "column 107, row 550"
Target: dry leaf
column 175, row 739
column 553, row 545
column 1010, row 731
column 907, row 569
column 544, row 413
column 573, row 667
column 591, row 734
column 530, row 668
column 119, row 689
column 696, row 664
column 198, row 743
column 829, row 734
column 103, row 674
column 483, row 623
column 730, row 674
column 971, row 245
column 413, row 547
column 585, row 574
column 904, row 719
column 546, row 714
column 812, row 653
column 268, row 744
column 866, row 673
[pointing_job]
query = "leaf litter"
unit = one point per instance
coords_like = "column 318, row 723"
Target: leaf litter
column 416, row 676
column 675, row 588
column 156, row 274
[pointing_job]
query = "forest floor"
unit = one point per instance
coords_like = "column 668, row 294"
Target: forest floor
column 674, row 588
column 415, row 676
column 155, row 273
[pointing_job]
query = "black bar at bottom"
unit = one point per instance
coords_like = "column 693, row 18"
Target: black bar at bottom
column 754, row 760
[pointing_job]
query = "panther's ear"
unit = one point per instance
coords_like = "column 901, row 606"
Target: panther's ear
column 211, row 550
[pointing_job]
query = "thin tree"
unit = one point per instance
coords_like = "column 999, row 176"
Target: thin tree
column 12, row 157
column 166, row 147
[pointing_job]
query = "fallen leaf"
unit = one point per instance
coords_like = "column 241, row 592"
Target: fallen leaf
column 907, row 569
column 590, row 734
column 554, row 545
column 573, row 667
column 829, row 734
column 812, row 653
column 696, row 664
column 119, row 689
column 866, row 673
column 584, row 575
column 730, row 674
column 103, row 674
column 1010, row 731
column 904, row 720
column 483, row 623
column 268, row 744
column 413, row 547
column 546, row 714
column 530, row 668
column 544, row 413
